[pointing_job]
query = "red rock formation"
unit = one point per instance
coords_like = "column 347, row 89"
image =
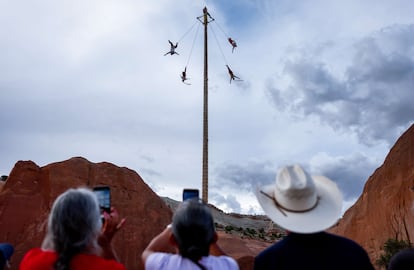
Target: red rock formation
column 384, row 210
column 386, row 207
column 243, row 250
column 29, row 192
column 27, row 196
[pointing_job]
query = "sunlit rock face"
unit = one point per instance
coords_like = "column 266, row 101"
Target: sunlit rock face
column 28, row 194
column 386, row 207
column 384, row 210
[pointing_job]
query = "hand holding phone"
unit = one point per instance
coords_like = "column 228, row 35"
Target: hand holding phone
column 190, row 193
column 104, row 197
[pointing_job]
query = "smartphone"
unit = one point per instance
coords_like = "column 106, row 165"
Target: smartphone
column 190, row 193
column 104, row 197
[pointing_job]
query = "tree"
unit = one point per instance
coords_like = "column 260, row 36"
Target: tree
column 391, row 247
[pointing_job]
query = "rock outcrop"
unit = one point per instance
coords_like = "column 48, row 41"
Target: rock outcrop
column 386, row 207
column 28, row 194
column 384, row 210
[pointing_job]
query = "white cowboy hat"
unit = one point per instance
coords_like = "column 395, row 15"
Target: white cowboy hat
column 299, row 202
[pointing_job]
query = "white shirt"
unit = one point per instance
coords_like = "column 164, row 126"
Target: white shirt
column 166, row 261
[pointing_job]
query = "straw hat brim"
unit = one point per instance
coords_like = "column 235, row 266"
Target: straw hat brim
column 323, row 216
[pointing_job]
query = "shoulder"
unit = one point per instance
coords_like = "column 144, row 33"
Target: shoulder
column 282, row 245
column 220, row 262
column 227, row 260
column 158, row 260
column 38, row 257
column 403, row 259
column 38, row 251
column 349, row 250
column 342, row 241
column 329, row 247
column 276, row 253
column 341, row 245
column 91, row 262
column 45, row 259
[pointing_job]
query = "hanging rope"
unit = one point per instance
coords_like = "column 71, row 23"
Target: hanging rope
column 188, row 31
column 224, row 33
column 184, row 73
column 192, row 46
column 218, row 45
column 229, row 39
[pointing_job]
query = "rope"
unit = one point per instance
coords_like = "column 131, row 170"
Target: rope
column 192, row 46
column 218, row 45
column 182, row 37
column 224, row 33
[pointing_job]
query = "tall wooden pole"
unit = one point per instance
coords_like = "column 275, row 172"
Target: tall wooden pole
column 205, row 113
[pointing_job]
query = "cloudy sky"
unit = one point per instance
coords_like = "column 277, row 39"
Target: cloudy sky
column 326, row 84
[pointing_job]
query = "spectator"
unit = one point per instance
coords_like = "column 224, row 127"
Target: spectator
column 192, row 232
column 6, row 251
column 75, row 237
column 306, row 206
column 402, row 260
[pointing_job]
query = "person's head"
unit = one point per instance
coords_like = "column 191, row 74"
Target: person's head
column 6, row 251
column 193, row 229
column 299, row 202
column 403, row 260
column 74, row 224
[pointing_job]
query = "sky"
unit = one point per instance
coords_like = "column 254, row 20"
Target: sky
column 325, row 84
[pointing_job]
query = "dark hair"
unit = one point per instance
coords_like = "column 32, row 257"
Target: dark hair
column 193, row 229
column 74, row 224
column 404, row 259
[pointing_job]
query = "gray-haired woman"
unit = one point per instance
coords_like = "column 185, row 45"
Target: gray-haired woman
column 192, row 232
column 75, row 236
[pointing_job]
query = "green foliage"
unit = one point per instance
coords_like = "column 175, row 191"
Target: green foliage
column 218, row 226
column 277, row 235
column 228, row 228
column 391, row 247
column 251, row 231
column 4, row 177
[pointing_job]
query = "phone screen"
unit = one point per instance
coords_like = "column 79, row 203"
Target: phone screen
column 104, row 197
column 190, row 193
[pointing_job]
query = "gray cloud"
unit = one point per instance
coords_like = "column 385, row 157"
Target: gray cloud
column 226, row 202
column 374, row 98
column 243, row 177
column 349, row 173
column 91, row 80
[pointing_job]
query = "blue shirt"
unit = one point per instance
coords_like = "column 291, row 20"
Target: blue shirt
column 320, row 251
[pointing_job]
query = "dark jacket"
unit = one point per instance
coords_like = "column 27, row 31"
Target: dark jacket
column 320, row 251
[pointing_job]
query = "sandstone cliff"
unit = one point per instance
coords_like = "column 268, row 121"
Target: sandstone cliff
column 384, row 210
column 27, row 196
column 386, row 207
column 29, row 192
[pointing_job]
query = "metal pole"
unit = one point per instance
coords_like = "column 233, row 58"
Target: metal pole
column 205, row 114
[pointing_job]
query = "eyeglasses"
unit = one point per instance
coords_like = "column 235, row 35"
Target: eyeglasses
column 282, row 209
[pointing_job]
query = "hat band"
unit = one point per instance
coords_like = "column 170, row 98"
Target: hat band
column 281, row 208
